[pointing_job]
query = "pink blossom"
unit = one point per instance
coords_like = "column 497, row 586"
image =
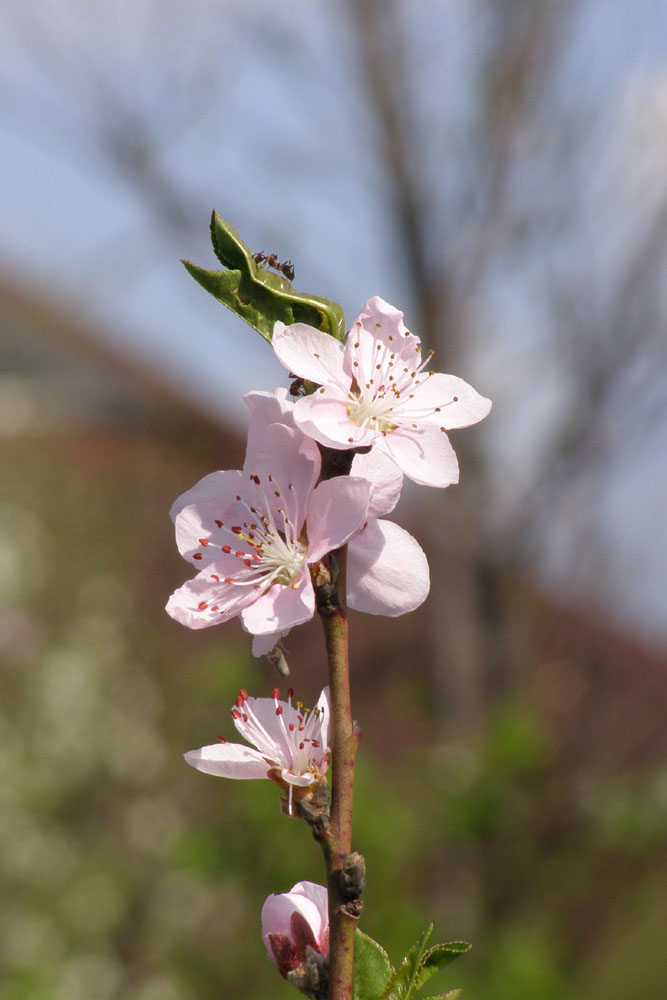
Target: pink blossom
column 373, row 390
column 387, row 570
column 291, row 743
column 294, row 921
column 252, row 534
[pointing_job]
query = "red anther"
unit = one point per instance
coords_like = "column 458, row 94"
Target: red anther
column 214, row 607
column 243, row 693
column 226, row 549
column 197, row 555
column 219, row 523
column 202, row 605
column 316, row 743
column 223, row 739
column 257, row 557
column 301, row 746
column 275, row 693
column 214, row 576
column 203, row 541
column 239, row 553
column 238, row 701
column 245, row 717
column 235, row 714
column 290, row 692
column 236, row 529
column 291, row 727
column 229, row 579
column 247, row 562
column 279, row 710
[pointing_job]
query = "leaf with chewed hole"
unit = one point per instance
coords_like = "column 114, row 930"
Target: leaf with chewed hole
column 256, row 294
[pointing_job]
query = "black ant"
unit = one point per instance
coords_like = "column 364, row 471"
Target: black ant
column 272, row 260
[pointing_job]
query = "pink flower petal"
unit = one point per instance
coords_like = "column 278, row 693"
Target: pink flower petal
column 336, row 510
column 387, row 571
column 424, row 455
column 218, row 488
column 228, row 760
column 281, row 607
column 310, row 354
column 299, row 780
column 323, row 416
column 267, row 408
column 385, row 477
column 306, row 898
column 382, row 318
column 202, row 602
column 445, row 400
column 285, row 465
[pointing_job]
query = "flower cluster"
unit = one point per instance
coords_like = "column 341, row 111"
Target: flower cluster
column 261, row 539
column 256, row 535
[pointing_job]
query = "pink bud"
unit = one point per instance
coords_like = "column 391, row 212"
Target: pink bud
column 293, row 921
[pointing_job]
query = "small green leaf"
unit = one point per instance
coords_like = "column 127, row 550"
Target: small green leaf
column 404, row 982
column 372, row 968
column 438, row 957
column 256, row 294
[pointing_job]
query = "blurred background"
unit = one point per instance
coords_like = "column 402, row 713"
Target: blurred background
column 498, row 170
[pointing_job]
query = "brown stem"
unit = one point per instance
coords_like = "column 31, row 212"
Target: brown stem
column 344, row 738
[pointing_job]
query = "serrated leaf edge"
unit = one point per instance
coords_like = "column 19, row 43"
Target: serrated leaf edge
column 378, row 945
column 418, row 950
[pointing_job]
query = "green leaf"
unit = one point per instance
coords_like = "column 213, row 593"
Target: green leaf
column 256, row 294
column 438, row 957
column 419, row 965
column 372, row 968
column 404, row 982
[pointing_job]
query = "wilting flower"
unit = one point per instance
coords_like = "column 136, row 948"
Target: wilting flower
column 291, row 744
column 295, row 928
column 374, row 390
column 387, row 571
column 253, row 533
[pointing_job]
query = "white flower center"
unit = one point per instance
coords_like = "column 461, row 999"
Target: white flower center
column 263, row 537
column 292, row 739
column 384, row 381
column 371, row 411
column 280, row 560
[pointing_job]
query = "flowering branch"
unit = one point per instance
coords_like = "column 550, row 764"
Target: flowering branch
column 301, row 527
